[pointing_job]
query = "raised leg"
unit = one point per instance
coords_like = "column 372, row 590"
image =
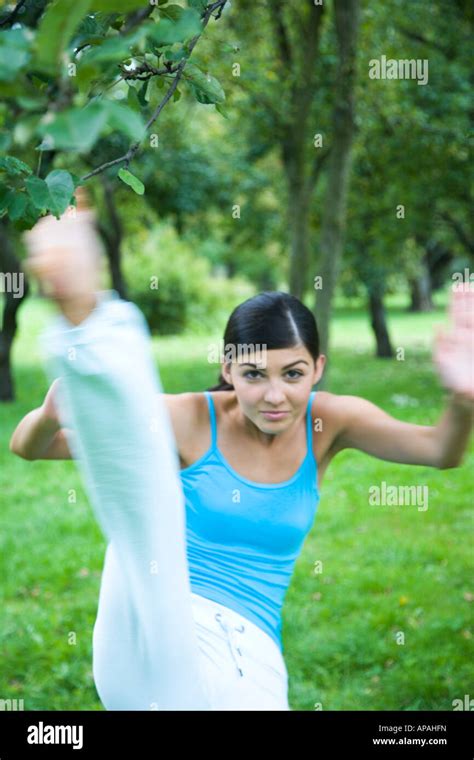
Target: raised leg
column 145, row 647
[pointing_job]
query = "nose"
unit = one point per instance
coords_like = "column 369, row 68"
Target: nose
column 274, row 396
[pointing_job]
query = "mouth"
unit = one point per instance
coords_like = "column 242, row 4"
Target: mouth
column 274, row 415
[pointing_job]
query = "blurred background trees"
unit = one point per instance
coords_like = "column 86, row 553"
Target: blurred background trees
column 275, row 161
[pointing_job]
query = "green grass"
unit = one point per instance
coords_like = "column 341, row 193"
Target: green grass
column 389, row 573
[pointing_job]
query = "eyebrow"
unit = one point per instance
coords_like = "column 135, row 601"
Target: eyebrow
column 249, row 364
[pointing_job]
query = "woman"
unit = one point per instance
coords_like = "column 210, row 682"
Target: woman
column 189, row 608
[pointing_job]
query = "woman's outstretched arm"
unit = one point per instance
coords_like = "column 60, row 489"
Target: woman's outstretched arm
column 368, row 428
column 363, row 425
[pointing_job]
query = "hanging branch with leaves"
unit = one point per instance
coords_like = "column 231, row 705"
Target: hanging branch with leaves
column 68, row 70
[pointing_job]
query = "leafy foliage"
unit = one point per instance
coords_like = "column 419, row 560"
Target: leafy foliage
column 68, row 82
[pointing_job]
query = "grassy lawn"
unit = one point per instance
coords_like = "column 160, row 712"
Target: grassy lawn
column 386, row 625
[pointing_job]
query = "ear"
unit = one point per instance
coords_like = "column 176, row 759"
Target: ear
column 319, row 368
column 225, row 372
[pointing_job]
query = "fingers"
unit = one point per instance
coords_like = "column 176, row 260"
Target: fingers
column 461, row 307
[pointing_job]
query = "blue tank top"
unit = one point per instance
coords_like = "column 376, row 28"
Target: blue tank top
column 243, row 537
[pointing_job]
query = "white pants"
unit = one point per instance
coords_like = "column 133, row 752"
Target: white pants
column 156, row 646
column 242, row 667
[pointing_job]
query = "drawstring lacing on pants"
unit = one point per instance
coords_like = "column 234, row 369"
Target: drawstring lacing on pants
column 231, row 630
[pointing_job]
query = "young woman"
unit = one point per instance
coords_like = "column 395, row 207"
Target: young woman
column 205, row 499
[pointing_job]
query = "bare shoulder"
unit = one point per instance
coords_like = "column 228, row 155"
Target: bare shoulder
column 333, row 410
column 189, row 418
column 336, row 411
column 337, row 406
column 186, row 408
column 331, row 405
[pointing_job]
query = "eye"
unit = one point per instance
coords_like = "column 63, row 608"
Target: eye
column 251, row 372
column 298, row 374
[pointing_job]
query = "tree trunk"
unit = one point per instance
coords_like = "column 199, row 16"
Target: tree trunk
column 9, row 265
column 379, row 324
column 179, row 223
column 112, row 235
column 298, row 62
column 438, row 261
column 298, row 224
column 339, row 165
column 112, row 249
column 420, row 293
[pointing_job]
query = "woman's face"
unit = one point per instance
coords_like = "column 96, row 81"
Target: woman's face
column 278, row 381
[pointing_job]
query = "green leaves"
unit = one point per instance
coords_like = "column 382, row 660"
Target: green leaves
column 24, row 202
column 221, row 110
column 132, row 181
column 17, row 206
column 14, row 53
column 75, row 129
column 199, row 5
column 6, row 196
column 124, row 119
column 61, row 189
column 173, row 12
column 118, row 6
column 89, row 34
column 178, row 25
column 56, row 29
column 14, row 166
column 78, row 129
column 114, row 48
column 207, row 88
column 54, row 193
column 142, row 92
column 94, row 28
column 38, row 191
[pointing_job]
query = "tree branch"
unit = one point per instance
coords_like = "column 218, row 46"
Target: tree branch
column 31, row 12
column 316, row 168
column 136, row 18
column 149, row 70
column 9, row 20
column 128, row 156
column 417, row 37
column 276, row 14
column 458, row 229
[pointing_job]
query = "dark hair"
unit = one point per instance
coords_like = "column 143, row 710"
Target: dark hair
column 274, row 319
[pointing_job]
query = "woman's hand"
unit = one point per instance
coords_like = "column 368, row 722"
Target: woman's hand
column 64, row 255
column 453, row 353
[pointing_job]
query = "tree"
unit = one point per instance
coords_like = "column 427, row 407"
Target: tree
column 9, row 267
column 411, row 161
column 58, row 80
column 346, row 16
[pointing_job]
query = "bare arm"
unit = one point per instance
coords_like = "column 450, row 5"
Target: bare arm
column 38, row 438
column 39, row 434
column 364, row 426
